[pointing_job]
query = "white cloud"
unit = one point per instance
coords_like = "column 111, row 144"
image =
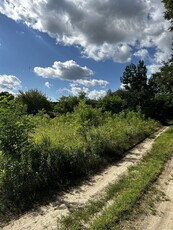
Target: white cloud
column 63, row 90
column 68, row 70
column 103, row 29
column 9, row 83
column 48, row 85
column 76, row 90
column 152, row 69
column 96, row 94
column 90, row 83
column 143, row 53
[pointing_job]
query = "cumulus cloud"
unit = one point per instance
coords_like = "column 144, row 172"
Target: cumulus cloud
column 153, row 69
column 93, row 94
column 68, row 70
column 90, row 83
column 96, row 94
column 76, row 90
column 143, row 53
column 9, row 83
column 83, row 85
column 103, row 29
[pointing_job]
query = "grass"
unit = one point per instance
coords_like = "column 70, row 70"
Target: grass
column 125, row 193
column 146, row 206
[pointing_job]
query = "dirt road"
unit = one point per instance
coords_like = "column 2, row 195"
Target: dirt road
column 163, row 220
column 46, row 217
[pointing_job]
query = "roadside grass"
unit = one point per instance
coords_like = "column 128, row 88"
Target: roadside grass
column 123, row 194
column 146, row 206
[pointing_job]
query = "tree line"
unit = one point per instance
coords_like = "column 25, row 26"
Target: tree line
column 153, row 96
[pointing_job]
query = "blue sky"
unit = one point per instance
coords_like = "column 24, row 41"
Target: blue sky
column 62, row 47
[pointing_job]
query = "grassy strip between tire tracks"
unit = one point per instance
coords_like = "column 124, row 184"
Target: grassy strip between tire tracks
column 125, row 193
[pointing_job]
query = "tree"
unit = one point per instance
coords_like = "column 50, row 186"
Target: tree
column 111, row 102
column 6, row 95
column 134, row 81
column 162, row 81
column 169, row 11
column 161, row 84
column 35, row 101
column 135, row 77
column 66, row 104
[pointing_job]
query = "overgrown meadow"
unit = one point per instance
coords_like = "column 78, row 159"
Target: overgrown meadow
column 39, row 153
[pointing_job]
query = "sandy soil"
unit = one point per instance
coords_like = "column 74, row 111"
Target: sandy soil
column 163, row 219
column 46, row 216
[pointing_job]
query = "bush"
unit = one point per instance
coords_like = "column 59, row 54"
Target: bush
column 15, row 147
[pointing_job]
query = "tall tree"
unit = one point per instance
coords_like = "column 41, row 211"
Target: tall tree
column 134, row 81
column 161, row 84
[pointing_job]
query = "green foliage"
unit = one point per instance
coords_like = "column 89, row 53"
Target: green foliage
column 112, row 103
column 15, row 148
column 153, row 96
column 134, row 80
column 66, row 104
column 161, row 85
column 169, row 11
column 6, row 95
column 135, row 77
column 87, row 137
column 14, row 128
column 60, row 150
column 35, row 101
column 162, row 81
column 69, row 104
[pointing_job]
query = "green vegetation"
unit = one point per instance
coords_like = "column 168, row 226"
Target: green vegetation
column 46, row 146
column 34, row 101
column 15, row 149
column 134, row 80
column 125, row 193
column 169, row 11
column 39, row 153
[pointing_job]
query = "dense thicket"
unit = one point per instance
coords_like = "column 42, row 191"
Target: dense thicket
column 60, row 150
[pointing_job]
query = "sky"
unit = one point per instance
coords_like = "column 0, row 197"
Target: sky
column 63, row 47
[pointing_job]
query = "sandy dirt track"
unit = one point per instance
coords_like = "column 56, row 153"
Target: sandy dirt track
column 46, row 216
column 163, row 220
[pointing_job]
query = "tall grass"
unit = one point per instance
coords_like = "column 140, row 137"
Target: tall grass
column 67, row 148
